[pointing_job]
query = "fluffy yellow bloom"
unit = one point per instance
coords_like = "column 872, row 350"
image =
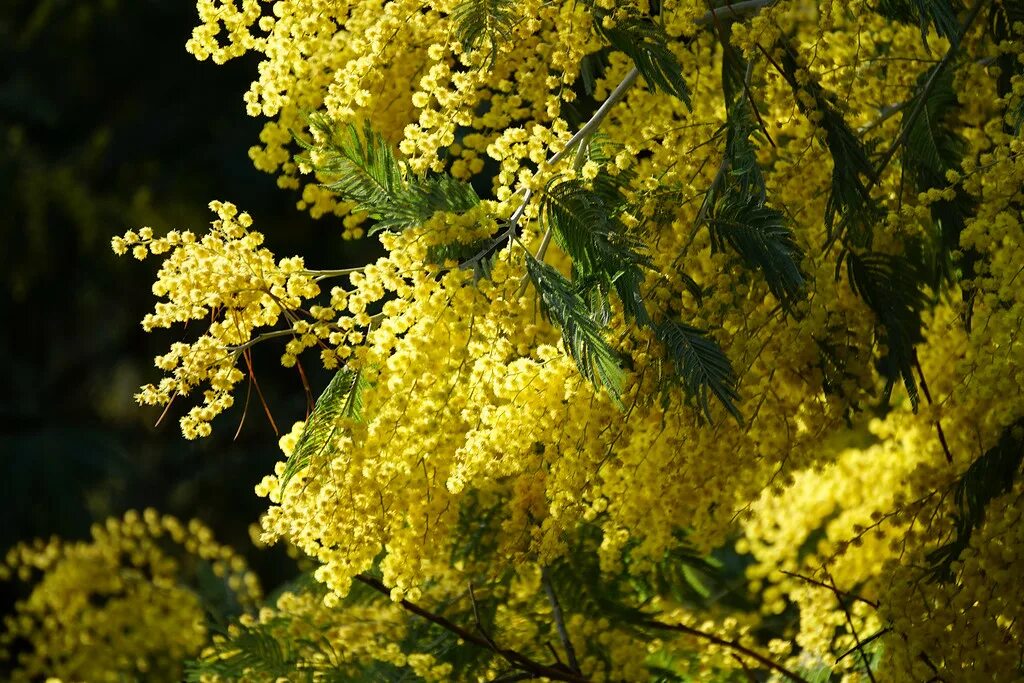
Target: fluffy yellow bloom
column 467, row 403
column 125, row 604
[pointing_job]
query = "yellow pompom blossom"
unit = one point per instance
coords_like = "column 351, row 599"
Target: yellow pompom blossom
column 467, row 419
column 123, row 605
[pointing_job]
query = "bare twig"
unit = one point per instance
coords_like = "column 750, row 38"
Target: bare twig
column 556, row 612
column 822, row 584
column 853, row 630
column 734, row 645
column 517, row 659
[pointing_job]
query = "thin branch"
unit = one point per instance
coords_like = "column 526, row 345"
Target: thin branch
column 822, row 584
column 870, row 639
column 734, row 645
column 938, row 422
column 259, row 392
column 853, row 630
column 319, row 275
column 884, row 114
column 517, row 659
column 257, row 339
column 729, row 13
column 556, row 612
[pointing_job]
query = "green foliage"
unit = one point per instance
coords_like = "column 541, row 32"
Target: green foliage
column 701, row 366
column 760, row 236
column 990, row 476
column 593, row 67
column 849, row 200
column 647, row 44
column 366, row 172
column 245, row 650
column 482, row 23
column 938, row 14
column 342, row 399
column 1016, row 115
column 584, row 219
column 582, row 334
column 585, row 223
column 932, row 149
column 891, row 287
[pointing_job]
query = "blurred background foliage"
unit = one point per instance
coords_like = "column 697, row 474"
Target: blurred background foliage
column 106, row 123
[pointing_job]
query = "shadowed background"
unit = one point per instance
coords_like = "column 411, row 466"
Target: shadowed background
column 106, row 124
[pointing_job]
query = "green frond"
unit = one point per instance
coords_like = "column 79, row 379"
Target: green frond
column 484, row 24
column 593, row 67
column 363, row 164
column 932, row 149
column 762, row 238
column 1016, row 116
column 584, row 221
column 849, row 206
column 245, row 652
column 582, row 335
column 988, row 477
column 646, row 43
column 701, row 365
column 740, row 127
column 342, row 399
column 938, row 14
column 891, row 286
column 364, row 170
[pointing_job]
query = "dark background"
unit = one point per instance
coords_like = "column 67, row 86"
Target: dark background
column 106, row 124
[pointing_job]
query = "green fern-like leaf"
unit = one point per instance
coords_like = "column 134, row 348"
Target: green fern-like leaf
column 891, row 287
column 247, row 652
column 584, row 221
column 340, row 400
column 582, row 335
column 932, row 149
column 484, row 23
column 363, row 169
column 701, row 365
column 938, row 14
column 988, row 477
column 849, row 206
column 646, row 43
column 762, row 238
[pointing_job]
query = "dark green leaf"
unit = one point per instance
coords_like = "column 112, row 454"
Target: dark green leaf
column 988, row 477
column 932, row 149
column 645, row 42
column 480, row 23
column 342, row 399
column 891, row 287
column 701, row 365
column 582, row 335
column 761, row 237
column 365, row 171
column 249, row 651
column 849, row 206
column 938, row 14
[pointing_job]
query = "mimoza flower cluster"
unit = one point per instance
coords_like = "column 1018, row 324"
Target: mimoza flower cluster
column 466, row 411
column 124, row 605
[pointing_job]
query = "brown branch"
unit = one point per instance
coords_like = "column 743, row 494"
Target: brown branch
column 734, row 645
column 938, row 422
column 853, row 630
column 259, row 392
column 556, row 611
column 514, row 658
column 822, row 584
